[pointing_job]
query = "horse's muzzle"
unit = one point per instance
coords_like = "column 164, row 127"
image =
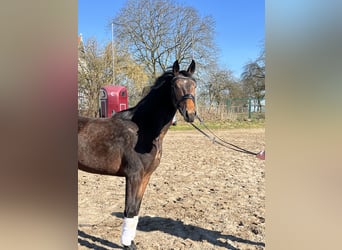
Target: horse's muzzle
column 189, row 116
column 188, row 110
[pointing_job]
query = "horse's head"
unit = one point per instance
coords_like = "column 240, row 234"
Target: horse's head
column 184, row 91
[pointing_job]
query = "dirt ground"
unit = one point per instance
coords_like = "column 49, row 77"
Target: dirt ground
column 201, row 196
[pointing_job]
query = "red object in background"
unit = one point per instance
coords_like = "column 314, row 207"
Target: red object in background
column 113, row 98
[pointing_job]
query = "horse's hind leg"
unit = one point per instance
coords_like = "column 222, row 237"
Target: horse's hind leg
column 135, row 188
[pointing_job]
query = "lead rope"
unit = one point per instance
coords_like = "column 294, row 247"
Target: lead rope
column 220, row 141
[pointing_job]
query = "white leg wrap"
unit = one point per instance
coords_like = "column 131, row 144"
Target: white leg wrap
column 129, row 228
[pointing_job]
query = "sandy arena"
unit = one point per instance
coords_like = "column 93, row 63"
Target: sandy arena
column 202, row 196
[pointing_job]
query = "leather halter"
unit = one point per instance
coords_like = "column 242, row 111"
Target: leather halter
column 186, row 96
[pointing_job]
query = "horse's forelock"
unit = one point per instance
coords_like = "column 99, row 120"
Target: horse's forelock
column 185, row 73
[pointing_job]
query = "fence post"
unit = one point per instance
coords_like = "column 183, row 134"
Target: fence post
column 249, row 108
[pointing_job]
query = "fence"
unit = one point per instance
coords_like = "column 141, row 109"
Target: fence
column 234, row 109
column 243, row 105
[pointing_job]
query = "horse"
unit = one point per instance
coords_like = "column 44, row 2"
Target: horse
column 129, row 144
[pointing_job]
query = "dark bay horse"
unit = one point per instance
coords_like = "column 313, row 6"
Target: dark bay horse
column 129, row 144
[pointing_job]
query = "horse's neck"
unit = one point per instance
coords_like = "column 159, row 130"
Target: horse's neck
column 153, row 117
column 155, row 109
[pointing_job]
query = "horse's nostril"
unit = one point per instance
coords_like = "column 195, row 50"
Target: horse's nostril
column 189, row 117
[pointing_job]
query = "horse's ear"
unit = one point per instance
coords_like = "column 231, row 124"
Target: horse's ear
column 175, row 67
column 192, row 67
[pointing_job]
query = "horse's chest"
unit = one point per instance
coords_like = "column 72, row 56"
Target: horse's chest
column 155, row 161
column 156, row 155
column 158, row 144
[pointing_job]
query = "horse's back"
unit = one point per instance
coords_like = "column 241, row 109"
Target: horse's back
column 82, row 121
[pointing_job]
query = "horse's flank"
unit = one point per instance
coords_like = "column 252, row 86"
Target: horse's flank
column 106, row 146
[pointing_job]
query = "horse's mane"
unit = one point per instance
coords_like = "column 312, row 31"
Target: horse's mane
column 162, row 81
column 152, row 112
column 166, row 77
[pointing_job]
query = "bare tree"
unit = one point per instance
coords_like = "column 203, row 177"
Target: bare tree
column 157, row 32
column 221, row 86
column 253, row 79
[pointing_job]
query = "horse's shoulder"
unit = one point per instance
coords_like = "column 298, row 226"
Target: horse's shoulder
column 124, row 124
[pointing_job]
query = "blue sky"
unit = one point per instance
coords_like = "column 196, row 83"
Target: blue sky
column 240, row 26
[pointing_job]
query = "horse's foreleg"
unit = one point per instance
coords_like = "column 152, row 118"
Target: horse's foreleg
column 135, row 188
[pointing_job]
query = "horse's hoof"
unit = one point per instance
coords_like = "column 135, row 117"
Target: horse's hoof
column 131, row 247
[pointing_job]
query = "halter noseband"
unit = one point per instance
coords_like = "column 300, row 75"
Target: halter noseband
column 184, row 97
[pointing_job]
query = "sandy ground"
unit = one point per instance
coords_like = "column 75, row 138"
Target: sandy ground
column 201, row 196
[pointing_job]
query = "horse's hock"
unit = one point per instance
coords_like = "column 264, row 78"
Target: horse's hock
column 202, row 196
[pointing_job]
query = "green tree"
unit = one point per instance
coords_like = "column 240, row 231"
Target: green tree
column 95, row 69
column 127, row 73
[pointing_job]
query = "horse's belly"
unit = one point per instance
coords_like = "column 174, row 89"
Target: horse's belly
column 98, row 157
